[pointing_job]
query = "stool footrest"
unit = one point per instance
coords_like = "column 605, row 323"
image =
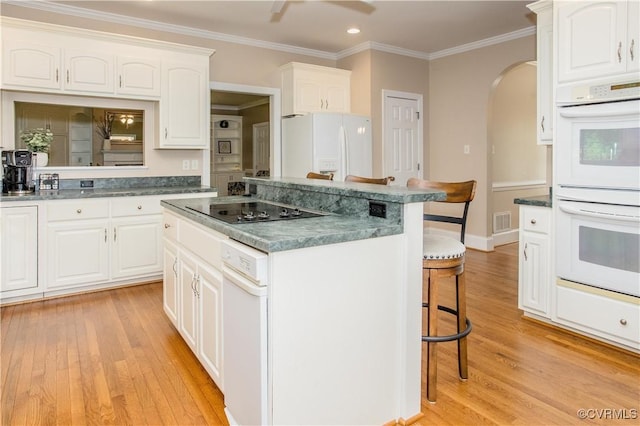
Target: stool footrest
column 449, row 337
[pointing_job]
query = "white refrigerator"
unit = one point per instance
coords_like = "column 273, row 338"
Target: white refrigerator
column 327, row 142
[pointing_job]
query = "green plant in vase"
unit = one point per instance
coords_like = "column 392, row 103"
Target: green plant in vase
column 38, row 140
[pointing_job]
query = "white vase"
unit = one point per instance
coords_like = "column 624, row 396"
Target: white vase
column 106, row 145
column 42, row 159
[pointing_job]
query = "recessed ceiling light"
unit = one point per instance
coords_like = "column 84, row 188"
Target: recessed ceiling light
column 353, row 30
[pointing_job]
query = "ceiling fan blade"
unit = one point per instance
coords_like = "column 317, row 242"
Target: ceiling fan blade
column 277, row 5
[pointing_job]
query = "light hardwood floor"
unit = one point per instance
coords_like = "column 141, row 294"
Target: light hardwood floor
column 114, row 358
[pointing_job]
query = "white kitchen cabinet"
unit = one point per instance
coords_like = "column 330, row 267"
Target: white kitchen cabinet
column 544, row 53
column 312, row 88
column 19, row 251
column 136, row 237
column 184, row 103
column 198, row 292
column 596, row 39
column 88, row 71
column 600, row 313
column 170, row 282
column 138, row 76
column 534, row 277
column 77, row 243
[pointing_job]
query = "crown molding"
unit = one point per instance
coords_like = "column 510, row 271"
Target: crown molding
column 211, row 35
column 525, row 32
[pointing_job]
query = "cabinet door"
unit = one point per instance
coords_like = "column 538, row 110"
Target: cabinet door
column 30, row 65
column 18, row 248
column 170, row 283
column 308, row 94
column 138, row 76
column 222, row 183
column 534, row 279
column 88, row 71
column 336, row 94
column 137, row 246
column 78, row 253
column 187, row 274
column 544, row 46
column 210, row 321
column 633, row 36
column 591, row 39
column 184, row 106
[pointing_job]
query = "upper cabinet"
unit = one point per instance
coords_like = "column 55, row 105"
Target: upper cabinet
column 311, row 88
column 184, row 103
column 49, row 58
column 544, row 53
column 597, row 39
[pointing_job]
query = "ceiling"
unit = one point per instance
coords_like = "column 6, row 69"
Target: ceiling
column 422, row 27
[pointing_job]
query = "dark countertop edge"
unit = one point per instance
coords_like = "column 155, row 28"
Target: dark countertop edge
column 395, row 194
column 369, row 230
column 68, row 194
column 540, row 200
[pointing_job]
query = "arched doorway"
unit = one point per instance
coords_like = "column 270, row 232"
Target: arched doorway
column 519, row 167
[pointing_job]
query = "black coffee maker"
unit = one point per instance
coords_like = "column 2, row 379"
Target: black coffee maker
column 17, row 172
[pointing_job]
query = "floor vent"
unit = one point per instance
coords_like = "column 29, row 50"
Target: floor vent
column 501, row 222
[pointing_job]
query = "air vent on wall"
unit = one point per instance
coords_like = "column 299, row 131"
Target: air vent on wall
column 501, row 222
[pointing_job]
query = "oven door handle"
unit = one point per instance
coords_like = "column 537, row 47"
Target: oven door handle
column 600, row 215
column 602, row 113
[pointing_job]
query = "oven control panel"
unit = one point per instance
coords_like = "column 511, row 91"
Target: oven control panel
column 579, row 94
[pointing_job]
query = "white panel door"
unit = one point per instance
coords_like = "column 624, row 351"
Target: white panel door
column 188, row 320
column 402, row 138
column 19, row 254
column 210, row 321
column 137, row 246
column 261, row 143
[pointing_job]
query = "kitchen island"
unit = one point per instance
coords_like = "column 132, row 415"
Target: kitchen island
column 343, row 317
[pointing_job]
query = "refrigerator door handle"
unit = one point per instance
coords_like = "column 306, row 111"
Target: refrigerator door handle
column 344, row 153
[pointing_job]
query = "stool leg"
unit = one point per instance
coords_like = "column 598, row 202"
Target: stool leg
column 432, row 326
column 462, row 324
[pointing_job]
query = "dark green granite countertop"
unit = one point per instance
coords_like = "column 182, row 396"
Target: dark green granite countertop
column 63, row 194
column 540, row 200
column 346, row 205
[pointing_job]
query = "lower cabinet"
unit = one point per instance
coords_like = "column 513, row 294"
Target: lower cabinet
column 192, row 289
column 102, row 241
column 19, row 251
column 534, row 276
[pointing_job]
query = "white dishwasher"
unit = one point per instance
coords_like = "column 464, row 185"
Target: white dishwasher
column 244, row 310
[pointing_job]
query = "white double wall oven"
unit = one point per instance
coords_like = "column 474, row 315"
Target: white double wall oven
column 598, row 186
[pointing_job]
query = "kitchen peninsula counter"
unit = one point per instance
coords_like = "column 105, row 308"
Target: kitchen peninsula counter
column 346, row 206
column 334, row 282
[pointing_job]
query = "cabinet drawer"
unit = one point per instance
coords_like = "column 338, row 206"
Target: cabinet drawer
column 202, row 241
column 536, row 219
column 77, row 209
column 170, row 226
column 611, row 317
column 135, row 206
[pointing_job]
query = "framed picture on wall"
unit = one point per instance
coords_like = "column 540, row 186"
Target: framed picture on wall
column 224, row 147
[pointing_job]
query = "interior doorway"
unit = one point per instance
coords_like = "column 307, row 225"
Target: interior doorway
column 255, row 104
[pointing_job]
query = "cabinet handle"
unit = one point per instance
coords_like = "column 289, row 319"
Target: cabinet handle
column 321, row 103
column 166, row 226
column 619, row 52
column 197, row 284
column 79, row 211
column 57, row 75
column 139, row 207
column 67, row 76
column 542, row 123
column 633, row 43
column 120, row 81
column 165, row 132
column 524, row 252
column 623, row 321
column 193, row 279
column 326, row 104
column 105, row 235
column 533, row 221
column 114, row 234
column 175, row 267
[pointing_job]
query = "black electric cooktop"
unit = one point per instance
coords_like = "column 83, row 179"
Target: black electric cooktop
column 252, row 212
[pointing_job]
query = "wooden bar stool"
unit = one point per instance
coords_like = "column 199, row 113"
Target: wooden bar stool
column 313, row 175
column 377, row 181
column 444, row 257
